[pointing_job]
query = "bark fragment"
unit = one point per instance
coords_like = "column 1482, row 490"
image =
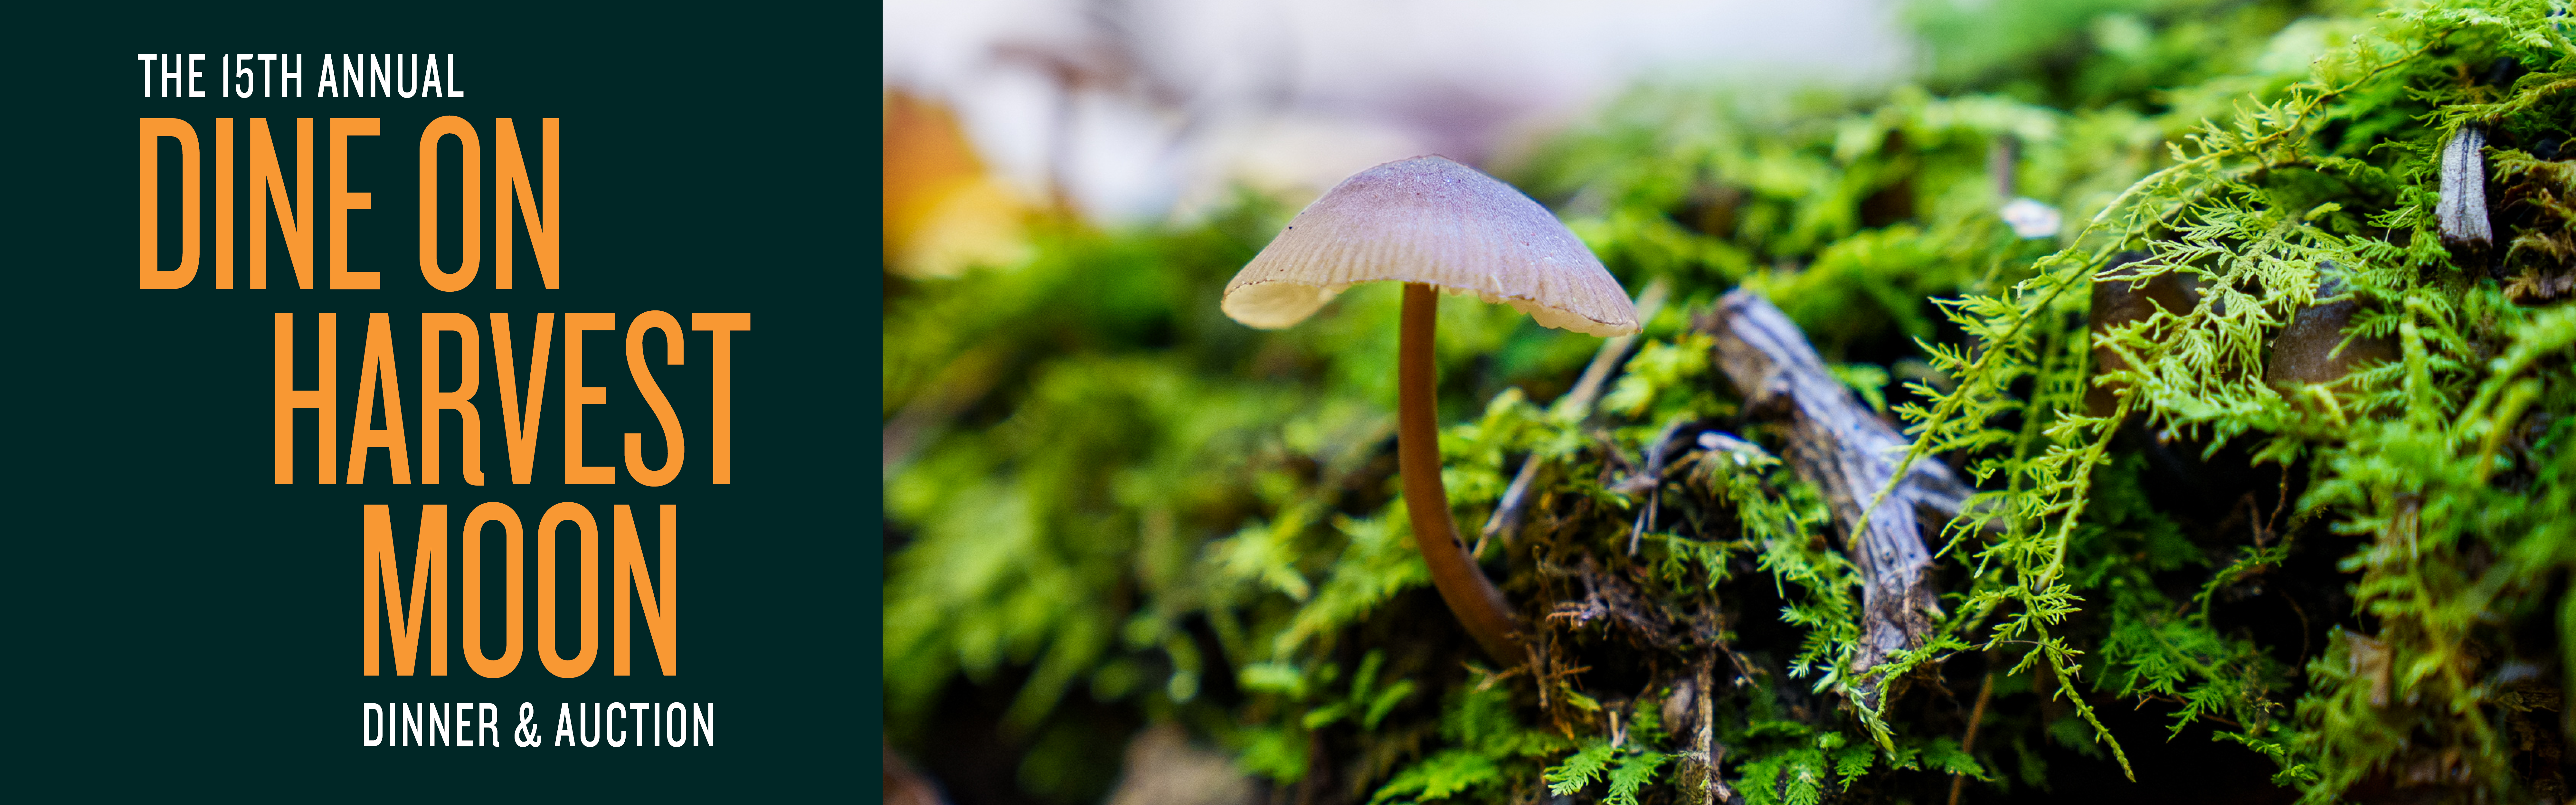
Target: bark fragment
column 1849, row 454
column 2463, row 206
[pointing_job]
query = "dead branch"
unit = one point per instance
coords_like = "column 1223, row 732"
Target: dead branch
column 1848, row 453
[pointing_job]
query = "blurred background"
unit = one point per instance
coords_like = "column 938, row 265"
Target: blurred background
column 1126, row 111
column 1134, row 547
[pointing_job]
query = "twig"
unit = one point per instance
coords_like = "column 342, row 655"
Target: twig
column 1652, row 477
column 1967, row 743
column 1538, row 670
column 1713, row 789
column 2273, row 524
column 2000, row 159
column 1618, row 722
column 1485, row 679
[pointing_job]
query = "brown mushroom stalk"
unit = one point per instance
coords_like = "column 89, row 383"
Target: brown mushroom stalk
column 1470, row 595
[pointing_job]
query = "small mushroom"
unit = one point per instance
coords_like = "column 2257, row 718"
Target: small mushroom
column 1433, row 224
column 2031, row 219
column 2315, row 348
column 2121, row 301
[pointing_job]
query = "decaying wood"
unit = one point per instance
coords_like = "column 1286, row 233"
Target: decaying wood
column 2462, row 208
column 1849, row 454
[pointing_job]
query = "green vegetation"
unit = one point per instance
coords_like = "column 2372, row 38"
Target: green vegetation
column 2338, row 557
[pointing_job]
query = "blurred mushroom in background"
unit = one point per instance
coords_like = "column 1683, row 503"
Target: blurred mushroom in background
column 943, row 212
column 2317, row 346
column 905, row 785
column 1164, row 768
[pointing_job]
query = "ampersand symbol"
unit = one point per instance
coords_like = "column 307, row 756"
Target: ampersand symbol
column 526, row 733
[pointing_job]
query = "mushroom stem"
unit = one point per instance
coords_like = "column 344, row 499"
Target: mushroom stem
column 1471, row 596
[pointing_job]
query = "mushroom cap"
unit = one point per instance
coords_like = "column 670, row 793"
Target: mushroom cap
column 1439, row 223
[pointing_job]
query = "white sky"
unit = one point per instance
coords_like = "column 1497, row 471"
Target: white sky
column 1298, row 93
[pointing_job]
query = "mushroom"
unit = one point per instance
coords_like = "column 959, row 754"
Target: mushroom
column 2121, row 300
column 2316, row 347
column 1433, row 224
